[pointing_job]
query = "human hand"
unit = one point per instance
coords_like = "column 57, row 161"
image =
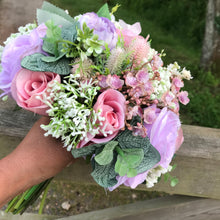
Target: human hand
column 35, row 159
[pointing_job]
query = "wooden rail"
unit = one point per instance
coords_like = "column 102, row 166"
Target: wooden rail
column 198, row 160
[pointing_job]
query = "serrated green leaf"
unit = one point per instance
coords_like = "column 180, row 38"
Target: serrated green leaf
column 34, row 62
column 104, row 12
column 53, row 31
column 106, row 156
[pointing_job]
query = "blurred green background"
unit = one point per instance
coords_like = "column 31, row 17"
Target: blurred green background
column 178, row 28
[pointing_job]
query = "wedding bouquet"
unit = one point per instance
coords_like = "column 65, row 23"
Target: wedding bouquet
column 105, row 89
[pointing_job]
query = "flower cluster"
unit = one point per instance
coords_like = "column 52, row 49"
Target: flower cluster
column 106, row 90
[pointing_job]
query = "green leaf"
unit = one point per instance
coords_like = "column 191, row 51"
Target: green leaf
column 51, row 12
column 104, row 11
column 106, row 156
column 105, row 175
column 49, row 59
column 121, row 167
column 43, row 16
column 34, row 62
column 174, row 181
column 166, row 177
column 49, row 47
column 151, row 156
column 128, row 161
column 51, row 40
column 132, row 172
column 55, row 10
column 70, row 33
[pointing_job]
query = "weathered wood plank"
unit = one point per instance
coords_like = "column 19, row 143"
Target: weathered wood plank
column 23, row 11
column 15, row 122
column 198, row 160
column 197, row 176
column 26, row 216
column 166, row 208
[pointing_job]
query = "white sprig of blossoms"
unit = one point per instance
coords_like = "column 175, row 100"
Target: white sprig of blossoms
column 154, row 174
column 71, row 110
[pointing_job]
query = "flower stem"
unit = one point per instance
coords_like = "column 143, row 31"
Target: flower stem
column 43, row 199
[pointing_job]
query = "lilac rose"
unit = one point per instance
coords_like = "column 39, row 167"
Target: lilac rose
column 17, row 49
column 165, row 135
column 103, row 27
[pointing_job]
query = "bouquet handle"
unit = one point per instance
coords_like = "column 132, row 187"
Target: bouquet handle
column 20, row 203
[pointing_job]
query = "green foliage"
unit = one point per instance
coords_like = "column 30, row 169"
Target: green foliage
column 126, row 155
column 106, row 156
column 105, row 175
column 173, row 180
column 35, row 62
column 128, row 160
column 151, row 156
column 51, row 12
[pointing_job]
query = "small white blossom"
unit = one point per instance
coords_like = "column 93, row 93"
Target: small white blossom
column 154, row 174
column 185, row 74
column 71, row 112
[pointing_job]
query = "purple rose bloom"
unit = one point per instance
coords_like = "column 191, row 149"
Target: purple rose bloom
column 15, row 51
column 165, row 135
column 103, row 27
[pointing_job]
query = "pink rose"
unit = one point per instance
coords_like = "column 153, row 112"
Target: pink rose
column 111, row 103
column 28, row 85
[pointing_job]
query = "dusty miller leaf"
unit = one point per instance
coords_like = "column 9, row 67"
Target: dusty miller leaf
column 105, row 175
column 34, row 62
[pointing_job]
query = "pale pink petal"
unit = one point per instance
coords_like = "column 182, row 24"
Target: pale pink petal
column 114, row 82
column 142, row 76
column 183, row 97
